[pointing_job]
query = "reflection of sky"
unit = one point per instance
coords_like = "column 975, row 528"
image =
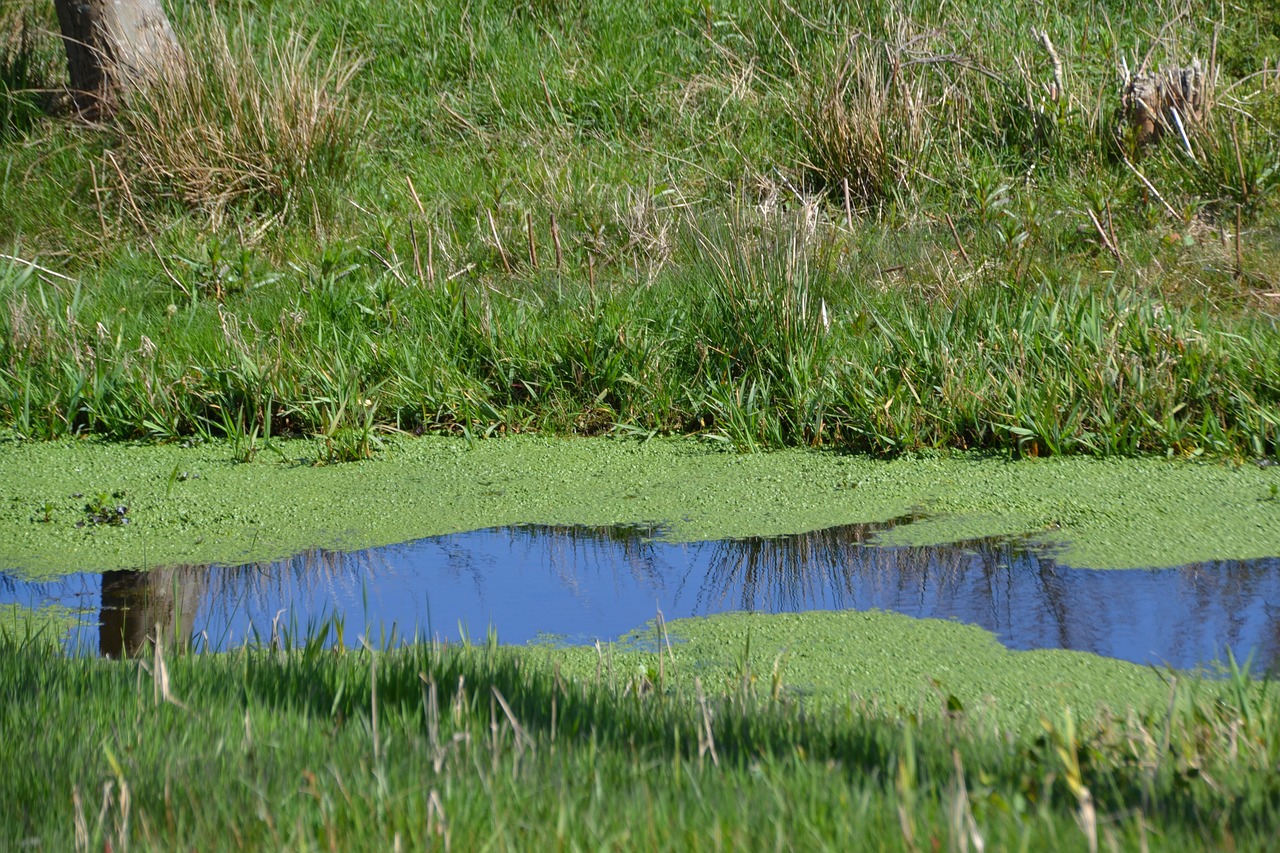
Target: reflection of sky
column 582, row 585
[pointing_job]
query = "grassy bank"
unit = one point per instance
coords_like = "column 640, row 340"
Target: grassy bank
column 486, row 746
column 884, row 227
column 880, row 227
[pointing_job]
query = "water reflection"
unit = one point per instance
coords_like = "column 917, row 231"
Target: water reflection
column 138, row 607
column 580, row 584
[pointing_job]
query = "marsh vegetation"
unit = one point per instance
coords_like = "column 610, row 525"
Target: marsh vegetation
column 467, row 746
column 881, row 227
column 877, row 226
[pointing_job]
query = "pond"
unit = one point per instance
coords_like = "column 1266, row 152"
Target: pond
column 577, row 585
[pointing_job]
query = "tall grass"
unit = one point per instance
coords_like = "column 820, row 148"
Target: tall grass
column 237, row 125
column 466, row 746
column 634, row 219
column 864, row 125
column 23, row 72
column 757, row 336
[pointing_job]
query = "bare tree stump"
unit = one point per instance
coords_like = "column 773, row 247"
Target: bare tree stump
column 1154, row 103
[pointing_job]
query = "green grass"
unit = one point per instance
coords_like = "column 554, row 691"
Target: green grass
column 342, row 224
column 746, row 339
column 469, row 746
column 492, row 217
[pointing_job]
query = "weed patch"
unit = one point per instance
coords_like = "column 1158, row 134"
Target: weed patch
column 237, row 126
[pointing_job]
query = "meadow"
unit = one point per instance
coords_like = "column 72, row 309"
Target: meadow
column 880, row 227
column 891, row 228
column 297, row 746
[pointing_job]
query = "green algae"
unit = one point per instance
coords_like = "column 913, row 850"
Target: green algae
column 49, row 624
column 887, row 661
column 195, row 505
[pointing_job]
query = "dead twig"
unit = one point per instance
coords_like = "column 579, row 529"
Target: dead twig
column 124, row 189
column 417, row 256
column 533, row 246
column 493, row 229
column 555, row 238
column 33, row 265
column 848, row 206
column 1173, row 214
column 468, row 268
column 956, row 236
column 1059, row 86
column 414, row 192
column 1106, row 240
column 1239, row 248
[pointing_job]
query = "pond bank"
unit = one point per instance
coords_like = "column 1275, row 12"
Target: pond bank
column 195, row 505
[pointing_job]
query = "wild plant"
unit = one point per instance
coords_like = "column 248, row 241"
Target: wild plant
column 764, row 293
column 870, row 121
column 346, row 424
column 23, row 70
column 235, row 124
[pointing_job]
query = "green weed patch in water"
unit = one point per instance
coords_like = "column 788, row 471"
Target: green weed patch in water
column 1113, row 513
column 47, row 625
column 887, row 661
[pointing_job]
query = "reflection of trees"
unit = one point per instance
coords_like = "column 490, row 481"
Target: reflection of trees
column 573, row 551
column 1181, row 616
column 788, row 572
column 1020, row 593
column 138, row 606
column 265, row 585
column 280, row 598
column 1009, row 587
column 1269, row 648
column 834, row 568
column 1225, row 594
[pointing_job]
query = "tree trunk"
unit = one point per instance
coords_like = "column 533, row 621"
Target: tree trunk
column 111, row 43
column 137, row 605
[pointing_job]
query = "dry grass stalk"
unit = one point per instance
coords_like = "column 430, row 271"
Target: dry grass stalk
column 497, row 241
column 236, row 123
column 873, row 119
column 555, row 237
column 649, row 228
column 533, row 246
column 956, row 236
column 1102, row 234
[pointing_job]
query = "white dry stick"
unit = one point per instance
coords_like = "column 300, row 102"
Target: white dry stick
column 82, row 826
column 706, row 740
column 848, row 206
column 437, row 823
column 431, row 254
column 33, row 265
column 1106, row 241
column 533, row 246
column 555, row 237
column 1182, row 131
column 502, row 253
column 468, row 268
column 1059, row 87
column 1169, row 209
column 417, row 255
column 522, row 737
column 414, row 192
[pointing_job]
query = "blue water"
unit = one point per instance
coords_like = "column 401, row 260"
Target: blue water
column 579, row 585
